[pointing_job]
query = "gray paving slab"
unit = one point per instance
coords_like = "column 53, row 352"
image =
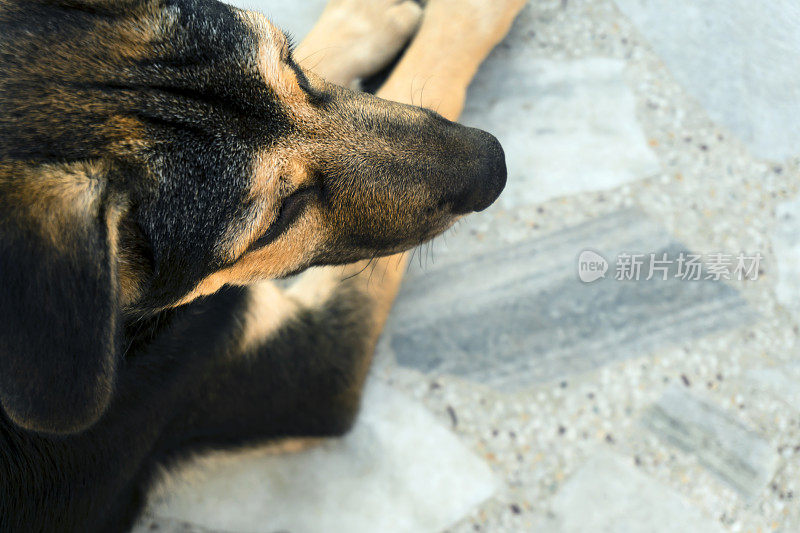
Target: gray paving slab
column 786, row 248
column 738, row 58
column 566, row 126
column 399, row 471
column 295, row 17
column 608, row 495
column 782, row 382
column 725, row 445
column 519, row 315
column 153, row 524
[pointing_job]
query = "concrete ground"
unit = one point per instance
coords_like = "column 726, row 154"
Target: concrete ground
column 509, row 395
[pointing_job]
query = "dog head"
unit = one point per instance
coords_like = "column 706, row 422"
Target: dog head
column 152, row 151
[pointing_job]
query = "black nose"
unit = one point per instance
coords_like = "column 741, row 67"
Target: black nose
column 487, row 178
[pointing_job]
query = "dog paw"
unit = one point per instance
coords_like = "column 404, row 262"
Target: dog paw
column 356, row 38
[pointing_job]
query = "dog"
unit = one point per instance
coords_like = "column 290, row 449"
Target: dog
column 159, row 159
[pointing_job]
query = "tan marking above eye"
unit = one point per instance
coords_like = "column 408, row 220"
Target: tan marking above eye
column 271, row 56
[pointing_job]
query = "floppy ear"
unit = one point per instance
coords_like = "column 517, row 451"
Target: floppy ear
column 58, row 296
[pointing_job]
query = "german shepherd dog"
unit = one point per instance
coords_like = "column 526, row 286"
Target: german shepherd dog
column 160, row 159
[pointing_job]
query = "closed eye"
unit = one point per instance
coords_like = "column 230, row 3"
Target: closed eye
column 290, row 210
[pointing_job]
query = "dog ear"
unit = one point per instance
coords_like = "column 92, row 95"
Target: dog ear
column 58, row 296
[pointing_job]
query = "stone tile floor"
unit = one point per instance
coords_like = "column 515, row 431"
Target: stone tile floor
column 508, row 395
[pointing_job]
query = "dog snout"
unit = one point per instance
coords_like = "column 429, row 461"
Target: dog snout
column 482, row 185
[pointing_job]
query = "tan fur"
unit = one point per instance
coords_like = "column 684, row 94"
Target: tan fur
column 279, row 172
column 354, row 38
column 285, row 255
column 268, row 308
column 272, row 51
column 131, row 278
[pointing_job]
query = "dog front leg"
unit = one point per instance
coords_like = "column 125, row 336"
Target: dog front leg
column 355, row 38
